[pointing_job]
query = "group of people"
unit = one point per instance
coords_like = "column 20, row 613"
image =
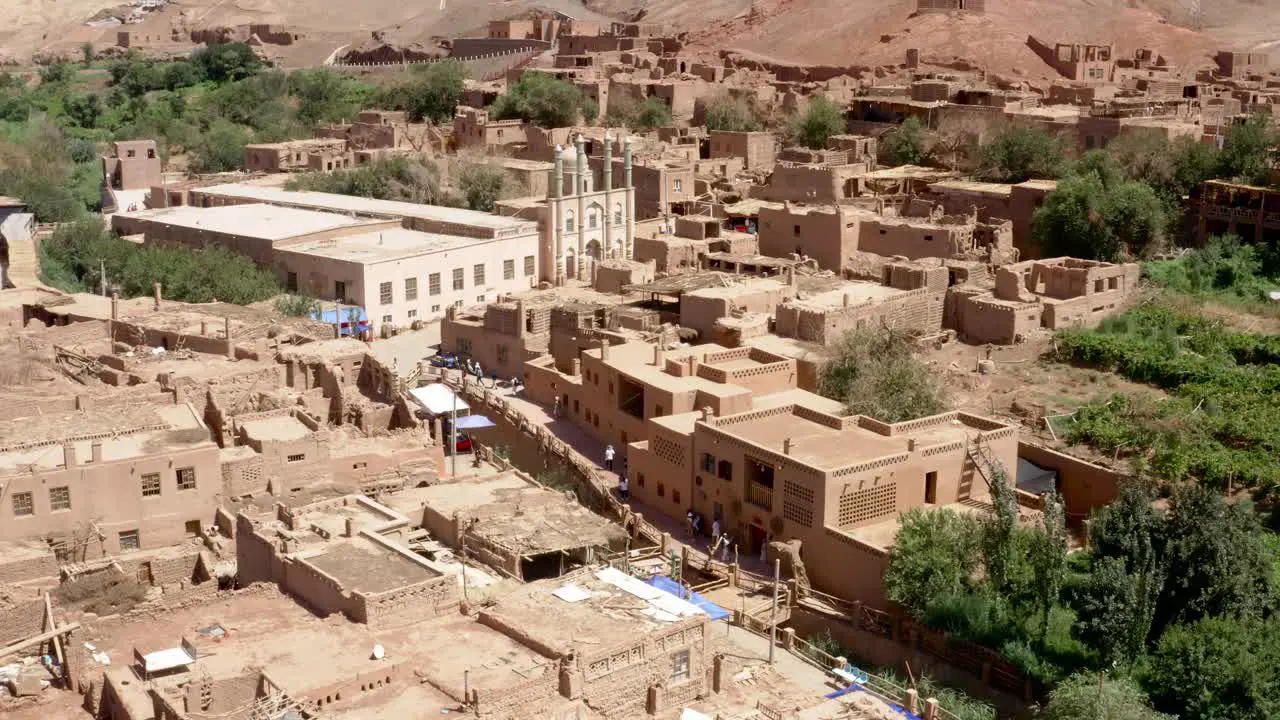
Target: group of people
column 472, row 367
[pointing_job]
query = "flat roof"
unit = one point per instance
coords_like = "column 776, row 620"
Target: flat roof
column 828, row 448
column 363, row 565
column 105, row 424
column 972, row 186
column 857, row 292
column 382, row 245
column 277, row 428
column 385, row 208
column 266, row 222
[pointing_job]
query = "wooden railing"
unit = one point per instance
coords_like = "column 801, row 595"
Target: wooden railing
column 759, row 495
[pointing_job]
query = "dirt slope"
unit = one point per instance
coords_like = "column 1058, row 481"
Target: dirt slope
column 801, row 31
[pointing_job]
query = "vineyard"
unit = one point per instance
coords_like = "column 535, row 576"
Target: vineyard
column 1221, row 423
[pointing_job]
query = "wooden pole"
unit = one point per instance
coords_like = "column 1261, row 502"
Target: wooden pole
column 773, row 611
column 37, row 639
column 57, row 641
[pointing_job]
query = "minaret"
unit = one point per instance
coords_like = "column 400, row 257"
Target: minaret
column 630, row 192
column 580, row 144
column 554, row 213
column 607, row 178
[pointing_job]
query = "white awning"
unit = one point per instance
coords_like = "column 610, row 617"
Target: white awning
column 438, row 399
column 166, row 659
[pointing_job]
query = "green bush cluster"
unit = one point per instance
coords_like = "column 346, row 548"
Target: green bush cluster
column 1221, row 424
column 74, row 257
column 1224, row 269
column 873, row 372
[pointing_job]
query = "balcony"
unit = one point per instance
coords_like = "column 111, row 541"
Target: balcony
column 760, row 495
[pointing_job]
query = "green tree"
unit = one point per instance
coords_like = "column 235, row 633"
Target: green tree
column 1217, row 562
column 86, row 54
column 1114, row 609
column 873, row 371
column 1249, row 150
column 654, row 113
column 1218, row 669
column 220, row 148
column 227, row 61
column 431, row 92
column 731, row 114
column 1086, row 696
column 999, row 539
column 482, row 185
column 410, row 180
column 58, row 73
column 905, row 144
column 821, row 119
column 544, row 100
column 1087, row 219
column 935, row 555
column 326, row 96
column 1048, row 557
column 1018, row 154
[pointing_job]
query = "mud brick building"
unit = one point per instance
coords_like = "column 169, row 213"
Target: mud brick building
column 1080, row 62
column 827, row 234
column 294, row 155
column 613, row 391
column 109, row 480
column 1252, row 213
column 512, row 523
column 913, row 300
column 758, row 149
column 1052, row 294
column 132, row 165
column 795, row 470
column 343, row 555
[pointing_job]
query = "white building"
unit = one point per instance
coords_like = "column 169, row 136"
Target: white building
column 583, row 225
column 399, row 276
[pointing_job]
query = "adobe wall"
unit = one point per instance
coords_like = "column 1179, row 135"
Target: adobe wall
column 902, row 238
column 700, row 311
column 21, row 619
column 620, row 677
column 828, row 237
column 429, row 598
column 918, row 310
column 530, row 698
column 983, row 319
column 243, row 476
column 816, row 184
column 758, row 149
column 1084, row 486
column 973, row 6
column 28, row 568
column 668, row 253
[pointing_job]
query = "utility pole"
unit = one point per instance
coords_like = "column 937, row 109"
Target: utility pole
column 102, row 275
column 453, row 433
column 1101, row 712
column 773, row 611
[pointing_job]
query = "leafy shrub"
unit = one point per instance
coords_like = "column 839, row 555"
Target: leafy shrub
column 874, row 373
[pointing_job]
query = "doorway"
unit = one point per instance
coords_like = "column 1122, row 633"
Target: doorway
column 931, row 488
column 757, row 538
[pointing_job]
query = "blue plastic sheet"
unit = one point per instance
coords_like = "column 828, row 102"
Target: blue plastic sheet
column 671, row 587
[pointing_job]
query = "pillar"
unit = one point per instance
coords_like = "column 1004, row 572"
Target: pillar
column 226, row 330
column 653, row 703
column 606, row 172
column 913, row 701
column 931, row 709
column 96, row 450
column 520, row 319
column 788, row 638
column 557, row 222
column 629, row 211
column 580, row 189
column 156, row 290
column 717, row 672
column 115, row 306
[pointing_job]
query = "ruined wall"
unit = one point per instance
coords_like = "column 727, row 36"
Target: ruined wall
column 893, row 237
column 984, row 319
column 394, row 608
column 1084, row 486
column 619, row 678
column 21, row 619
column 918, row 310
column 531, row 698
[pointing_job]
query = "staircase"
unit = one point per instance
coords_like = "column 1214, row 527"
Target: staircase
column 17, row 232
column 982, row 464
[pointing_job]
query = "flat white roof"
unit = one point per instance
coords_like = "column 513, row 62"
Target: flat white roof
column 383, row 245
column 351, row 203
column 266, row 222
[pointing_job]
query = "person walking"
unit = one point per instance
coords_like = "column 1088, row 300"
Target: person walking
column 608, row 458
column 715, row 531
column 623, row 490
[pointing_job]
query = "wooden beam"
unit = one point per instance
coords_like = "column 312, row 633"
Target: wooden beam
column 57, row 641
column 37, row 639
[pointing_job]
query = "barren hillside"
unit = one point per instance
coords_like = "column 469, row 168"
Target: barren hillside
column 840, row 32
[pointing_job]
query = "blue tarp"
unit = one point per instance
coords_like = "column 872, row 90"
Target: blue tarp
column 332, row 316
column 858, row 688
column 671, row 587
